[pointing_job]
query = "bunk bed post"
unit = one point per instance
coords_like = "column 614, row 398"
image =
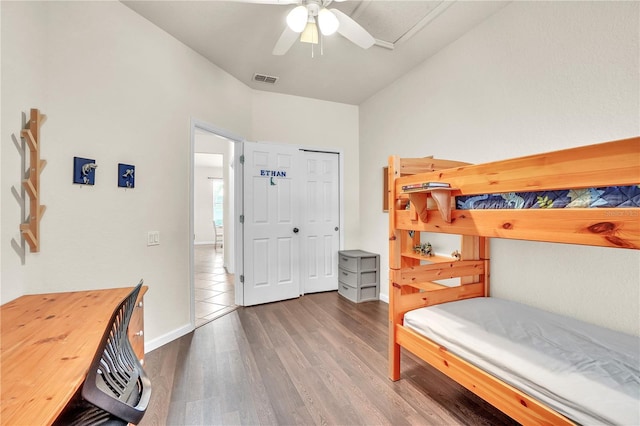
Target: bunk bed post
column 473, row 247
column 483, row 245
column 395, row 246
column 469, row 250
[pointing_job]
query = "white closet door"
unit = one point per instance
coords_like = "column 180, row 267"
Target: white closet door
column 321, row 221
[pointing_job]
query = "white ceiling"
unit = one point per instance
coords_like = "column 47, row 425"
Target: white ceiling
column 239, row 36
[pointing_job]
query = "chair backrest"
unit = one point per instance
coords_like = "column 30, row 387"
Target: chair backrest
column 218, row 237
column 116, row 381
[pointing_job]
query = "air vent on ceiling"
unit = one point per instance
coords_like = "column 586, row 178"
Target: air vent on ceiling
column 265, row 78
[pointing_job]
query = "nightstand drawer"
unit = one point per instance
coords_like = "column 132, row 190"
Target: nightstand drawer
column 347, row 277
column 357, row 295
column 347, row 291
column 358, row 260
column 358, row 279
column 349, row 263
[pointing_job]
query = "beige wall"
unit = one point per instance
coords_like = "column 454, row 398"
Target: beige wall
column 534, row 77
column 115, row 89
column 315, row 124
column 23, row 86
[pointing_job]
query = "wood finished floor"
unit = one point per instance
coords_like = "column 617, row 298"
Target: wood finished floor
column 315, row 360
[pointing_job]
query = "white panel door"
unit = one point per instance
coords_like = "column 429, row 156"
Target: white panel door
column 321, row 221
column 271, row 222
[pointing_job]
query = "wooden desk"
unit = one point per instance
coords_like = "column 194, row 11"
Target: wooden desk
column 48, row 342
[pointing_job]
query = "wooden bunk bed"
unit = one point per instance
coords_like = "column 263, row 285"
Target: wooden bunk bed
column 417, row 204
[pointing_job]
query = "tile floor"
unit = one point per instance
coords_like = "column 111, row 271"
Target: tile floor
column 214, row 288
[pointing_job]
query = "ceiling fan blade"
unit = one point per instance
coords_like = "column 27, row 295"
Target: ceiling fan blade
column 351, row 30
column 286, row 40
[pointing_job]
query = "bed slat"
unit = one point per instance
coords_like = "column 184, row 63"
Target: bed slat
column 440, row 271
column 605, row 227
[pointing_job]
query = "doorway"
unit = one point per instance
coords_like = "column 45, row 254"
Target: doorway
column 212, row 204
column 214, row 290
column 234, row 246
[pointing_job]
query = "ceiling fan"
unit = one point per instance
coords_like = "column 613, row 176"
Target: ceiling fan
column 303, row 22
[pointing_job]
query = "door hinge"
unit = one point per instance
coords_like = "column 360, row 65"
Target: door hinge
column 242, row 159
column 241, row 278
column 241, row 218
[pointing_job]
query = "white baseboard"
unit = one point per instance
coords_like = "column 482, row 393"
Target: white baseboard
column 384, row 298
column 166, row 338
column 204, row 243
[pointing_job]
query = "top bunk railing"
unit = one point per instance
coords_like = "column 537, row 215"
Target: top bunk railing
column 607, row 164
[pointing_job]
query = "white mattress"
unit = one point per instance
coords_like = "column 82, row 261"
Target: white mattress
column 588, row 373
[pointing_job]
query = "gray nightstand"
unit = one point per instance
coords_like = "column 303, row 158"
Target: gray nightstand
column 358, row 275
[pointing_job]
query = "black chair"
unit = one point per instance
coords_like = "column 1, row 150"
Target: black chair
column 116, row 390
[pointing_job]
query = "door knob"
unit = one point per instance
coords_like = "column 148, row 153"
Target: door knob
column 295, row 230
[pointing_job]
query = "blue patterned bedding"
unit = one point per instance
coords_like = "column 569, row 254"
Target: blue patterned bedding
column 612, row 196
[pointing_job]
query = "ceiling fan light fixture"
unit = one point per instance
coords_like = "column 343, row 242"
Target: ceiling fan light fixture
column 310, row 33
column 297, row 19
column 328, row 22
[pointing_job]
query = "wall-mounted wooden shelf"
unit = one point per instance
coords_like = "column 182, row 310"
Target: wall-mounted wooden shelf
column 31, row 230
column 442, row 197
column 436, row 258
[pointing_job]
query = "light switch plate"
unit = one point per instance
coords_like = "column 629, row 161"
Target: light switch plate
column 153, row 238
